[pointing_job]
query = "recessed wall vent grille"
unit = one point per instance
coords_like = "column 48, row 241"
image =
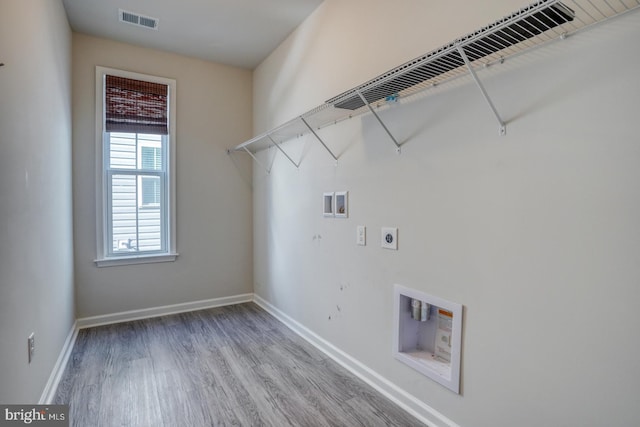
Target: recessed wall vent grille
column 138, row 20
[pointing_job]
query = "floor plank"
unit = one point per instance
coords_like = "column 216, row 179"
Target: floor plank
column 227, row 366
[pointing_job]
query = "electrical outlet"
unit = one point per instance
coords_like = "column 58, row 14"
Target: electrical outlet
column 389, row 238
column 31, row 345
column 361, row 235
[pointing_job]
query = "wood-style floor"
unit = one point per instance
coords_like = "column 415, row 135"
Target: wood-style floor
column 233, row 365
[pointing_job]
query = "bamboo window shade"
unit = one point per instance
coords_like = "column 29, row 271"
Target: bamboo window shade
column 135, row 106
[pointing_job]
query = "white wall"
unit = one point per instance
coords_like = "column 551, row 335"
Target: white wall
column 213, row 190
column 36, row 243
column 535, row 233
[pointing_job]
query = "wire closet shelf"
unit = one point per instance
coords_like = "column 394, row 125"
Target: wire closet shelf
column 530, row 27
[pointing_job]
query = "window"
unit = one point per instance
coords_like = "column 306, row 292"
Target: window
column 136, row 185
column 149, row 158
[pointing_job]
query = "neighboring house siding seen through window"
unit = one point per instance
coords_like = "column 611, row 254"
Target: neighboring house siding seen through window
column 136, row 197
column 151, row 158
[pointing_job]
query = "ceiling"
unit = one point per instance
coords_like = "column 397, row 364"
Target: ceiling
column 240, row 33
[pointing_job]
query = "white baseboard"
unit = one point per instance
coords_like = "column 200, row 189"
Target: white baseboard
column 409, row 403
column 147, row 313
column 87, row 322
column 58, row 369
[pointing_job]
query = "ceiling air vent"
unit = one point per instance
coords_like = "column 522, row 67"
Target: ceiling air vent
column 138, row 20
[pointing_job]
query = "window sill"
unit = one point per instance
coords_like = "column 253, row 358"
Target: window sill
column 138, row 259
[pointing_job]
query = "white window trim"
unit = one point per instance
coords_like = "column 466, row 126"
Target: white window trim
column 101, row 185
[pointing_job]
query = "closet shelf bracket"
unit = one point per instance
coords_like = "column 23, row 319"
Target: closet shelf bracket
column 268, row 169
column 297, row 165
column 502, row 129
column 386, row 129
column 319, row 139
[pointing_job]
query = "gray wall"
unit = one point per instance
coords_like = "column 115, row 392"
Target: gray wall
column 535, row 233
column 214, row 228
column 36, row 252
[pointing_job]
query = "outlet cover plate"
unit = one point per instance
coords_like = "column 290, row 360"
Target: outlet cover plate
column 389, row 238
column 31, row 346
column 361, row 235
